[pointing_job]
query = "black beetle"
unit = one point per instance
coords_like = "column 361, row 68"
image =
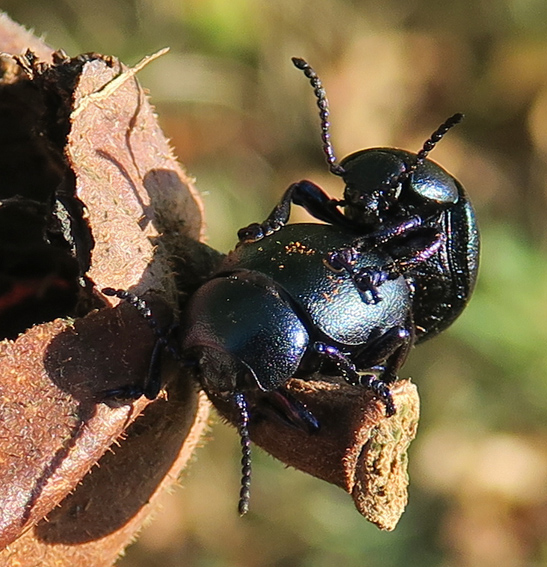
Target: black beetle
column 349, row 297
column 404, row 204
column 275, row 310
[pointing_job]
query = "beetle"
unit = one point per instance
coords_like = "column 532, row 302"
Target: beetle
column 275, row 310
column 349, row 297
column 403, row 203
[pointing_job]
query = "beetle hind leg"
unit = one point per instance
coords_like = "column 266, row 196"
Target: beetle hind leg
column 375, row 384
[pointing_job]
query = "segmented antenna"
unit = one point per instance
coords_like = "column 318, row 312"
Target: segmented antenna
column 437, row 136
column 429, row 144
column 243, row 428
column 153, row 382
column 323, row 105
column 137, row 302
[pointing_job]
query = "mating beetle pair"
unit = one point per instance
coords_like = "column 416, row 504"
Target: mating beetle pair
column 351, row 297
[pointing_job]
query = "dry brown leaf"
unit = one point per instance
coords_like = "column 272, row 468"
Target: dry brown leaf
column 356, row 448
column 111, row 157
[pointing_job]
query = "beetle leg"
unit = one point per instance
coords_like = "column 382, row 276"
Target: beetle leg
column 305, row 194
column 153, row 381
column 282, row 405
column 430, row 236
column 348, row 370
column 419, row 255
column 429, row 232
column 367, row 280
column 388, row 232
column 393, row 348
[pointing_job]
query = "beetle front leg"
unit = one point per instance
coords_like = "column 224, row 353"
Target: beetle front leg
column 305, row 194
column 367, row 280
column 283, row 406
column 428, row 230
column 432, row 238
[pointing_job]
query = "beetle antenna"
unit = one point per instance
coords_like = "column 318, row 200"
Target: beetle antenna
column 437, row 136
column 163, row 334
column 323, row 105
column 429, row 144
column 137, row 302
column 243, row 428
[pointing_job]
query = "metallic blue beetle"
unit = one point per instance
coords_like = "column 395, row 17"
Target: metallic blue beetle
column 403, row 204
column 349, row 297
column 276, row 310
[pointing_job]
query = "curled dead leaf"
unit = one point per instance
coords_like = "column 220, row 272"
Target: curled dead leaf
column 357, row 447
column 119, row 196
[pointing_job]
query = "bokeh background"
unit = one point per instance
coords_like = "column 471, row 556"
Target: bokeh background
column 244, row 123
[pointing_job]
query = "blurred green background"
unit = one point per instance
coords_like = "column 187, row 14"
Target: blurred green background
column 244, row 122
